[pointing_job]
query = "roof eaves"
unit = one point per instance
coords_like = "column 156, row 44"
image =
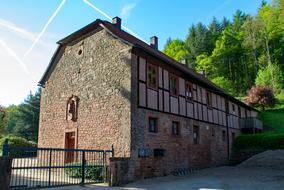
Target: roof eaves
column 49, row 67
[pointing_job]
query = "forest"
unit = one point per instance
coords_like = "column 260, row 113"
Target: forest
column 19, row 123
column 239, row 53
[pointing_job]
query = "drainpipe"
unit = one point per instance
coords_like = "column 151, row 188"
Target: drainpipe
column 227, row 120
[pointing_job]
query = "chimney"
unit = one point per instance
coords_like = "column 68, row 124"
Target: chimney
column 203, row 73
column 116, row 21
column 183, row 61
column 154, row 42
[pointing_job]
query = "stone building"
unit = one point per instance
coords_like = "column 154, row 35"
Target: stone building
column 105, row 87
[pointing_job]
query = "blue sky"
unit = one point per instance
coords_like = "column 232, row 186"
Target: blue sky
column 29, row 29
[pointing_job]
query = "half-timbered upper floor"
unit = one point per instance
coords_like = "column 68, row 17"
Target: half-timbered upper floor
column 165, row 89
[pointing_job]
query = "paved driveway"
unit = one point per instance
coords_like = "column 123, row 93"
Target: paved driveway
column 237, row 178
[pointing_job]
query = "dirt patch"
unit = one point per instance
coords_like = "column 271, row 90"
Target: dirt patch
column 271, row 159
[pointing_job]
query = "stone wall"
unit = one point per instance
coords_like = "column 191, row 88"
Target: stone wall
column 118, row 171
column 5, row 172
column 96, row 69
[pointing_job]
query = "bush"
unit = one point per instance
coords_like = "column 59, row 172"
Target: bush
column 246, row 146
column 263, row 142
column 15, row 141
column 92, row 172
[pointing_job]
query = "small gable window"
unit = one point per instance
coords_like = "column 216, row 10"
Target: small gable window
column 188, row 91
column 152, row 77
column 174, row 85
column 72, row 108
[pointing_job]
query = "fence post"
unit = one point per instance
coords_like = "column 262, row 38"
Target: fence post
column 104, row 172
column 83, row 168
column 5, row 148
column 112, row 151
column 49, row 169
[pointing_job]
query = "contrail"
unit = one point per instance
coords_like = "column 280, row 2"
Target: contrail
column 97, row 9
column 20, row 31
column 219, row 8
column 44, row 28
column 109, row 17
column 14, row 55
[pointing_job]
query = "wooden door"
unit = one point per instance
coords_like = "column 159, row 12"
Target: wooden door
column 69, row 144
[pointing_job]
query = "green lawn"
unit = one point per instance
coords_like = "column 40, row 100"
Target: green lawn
column 273, row 119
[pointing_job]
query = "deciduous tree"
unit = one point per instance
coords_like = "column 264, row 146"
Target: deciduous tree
column 260, row 96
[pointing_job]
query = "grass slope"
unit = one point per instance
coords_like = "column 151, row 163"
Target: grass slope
column 271, row 138
column 273, row 119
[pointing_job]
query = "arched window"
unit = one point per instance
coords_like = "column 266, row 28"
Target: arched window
column 72, row 108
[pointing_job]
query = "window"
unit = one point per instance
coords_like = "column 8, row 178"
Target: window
column 159, row 152
column 213, row 131
column 144, row 152
column 227, row 106
column 224, row 135
column 233, row 108
column 153, row 125
column 175, row 128
column 173, row 85
column 188, row 91
column 209, row 98
column 195, row 134
column 239, row 109
column 152, row 76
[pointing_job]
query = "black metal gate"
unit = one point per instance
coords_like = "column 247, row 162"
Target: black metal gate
column 53, row 167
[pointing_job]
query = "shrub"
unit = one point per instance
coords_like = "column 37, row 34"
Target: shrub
column 265, row 141
column 93, row 172
column 15, row 141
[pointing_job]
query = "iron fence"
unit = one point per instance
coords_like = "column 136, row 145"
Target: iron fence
column 53, row 167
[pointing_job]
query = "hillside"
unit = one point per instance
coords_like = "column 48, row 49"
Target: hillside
column 273, row 119
column 272, row 138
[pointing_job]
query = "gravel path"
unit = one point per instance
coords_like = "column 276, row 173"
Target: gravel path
column 264, row 171
column 234, row 178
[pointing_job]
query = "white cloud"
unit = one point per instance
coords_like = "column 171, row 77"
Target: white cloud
column 126, row 10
